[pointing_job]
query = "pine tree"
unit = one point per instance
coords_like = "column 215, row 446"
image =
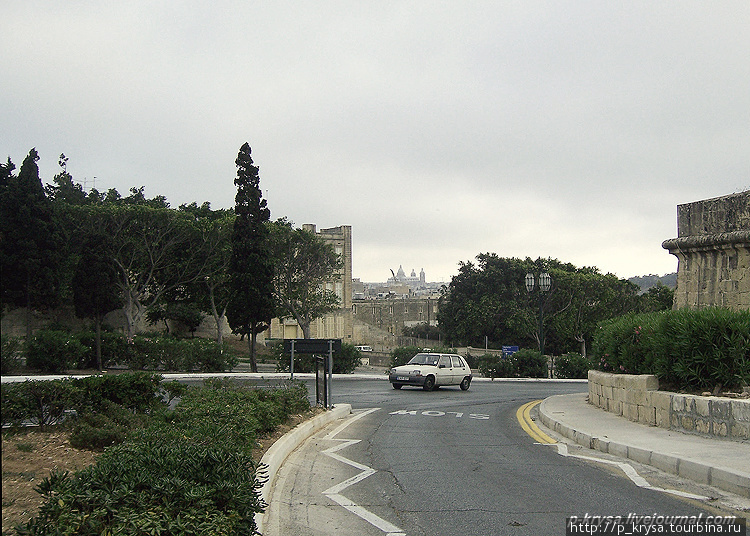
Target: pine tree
column 251, row 270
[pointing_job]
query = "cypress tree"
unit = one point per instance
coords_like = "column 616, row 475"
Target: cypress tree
column 29, row 246
column 251, row 269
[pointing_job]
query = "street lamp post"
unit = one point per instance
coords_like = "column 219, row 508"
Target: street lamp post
column 544, row 283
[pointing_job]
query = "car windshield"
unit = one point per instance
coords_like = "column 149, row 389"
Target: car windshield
column 425, row 359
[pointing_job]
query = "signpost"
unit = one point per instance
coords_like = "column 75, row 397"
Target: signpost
column 319, row 347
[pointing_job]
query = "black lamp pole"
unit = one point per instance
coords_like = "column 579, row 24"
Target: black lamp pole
column 543, row 284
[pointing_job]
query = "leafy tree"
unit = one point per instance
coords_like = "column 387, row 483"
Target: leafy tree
column 490, row 299
column 305, row 268
column 182, row 312
column 64, row 189
column 95, row 291
column 657, row 298
column 28, row 240
column 251, row 272
column 579, row 299
column 211, row 293
column 155, row 250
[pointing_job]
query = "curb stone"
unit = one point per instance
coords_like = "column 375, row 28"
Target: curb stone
column 278, row 452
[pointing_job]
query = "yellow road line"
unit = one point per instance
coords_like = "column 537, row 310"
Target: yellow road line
column 523, row 414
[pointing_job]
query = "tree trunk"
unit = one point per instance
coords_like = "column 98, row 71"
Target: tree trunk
column 251, row 341
column 305, row 325
column 98, row 322
column 219, row 319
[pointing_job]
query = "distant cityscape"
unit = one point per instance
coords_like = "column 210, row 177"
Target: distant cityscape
column 400, row 285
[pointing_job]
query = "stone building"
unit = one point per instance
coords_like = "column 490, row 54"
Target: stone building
column 393, row 315
column 338, row 324
column 713, row 252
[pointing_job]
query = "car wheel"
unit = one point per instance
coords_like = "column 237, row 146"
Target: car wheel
column 465, row 384
column 397, row 386
column 429, row 383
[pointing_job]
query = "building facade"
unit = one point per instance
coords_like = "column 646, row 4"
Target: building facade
column 713, row 252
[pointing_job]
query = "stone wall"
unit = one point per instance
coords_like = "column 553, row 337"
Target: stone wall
column 394, row 314
column 637, row 398
column 713, row 252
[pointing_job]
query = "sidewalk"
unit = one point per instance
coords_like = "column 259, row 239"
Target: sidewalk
column 721, row 463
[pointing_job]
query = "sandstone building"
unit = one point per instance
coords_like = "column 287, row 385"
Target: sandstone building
column 713, row 252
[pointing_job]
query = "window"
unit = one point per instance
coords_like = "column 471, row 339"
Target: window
column 445, row 361
column 457, row 362
column 340, row 290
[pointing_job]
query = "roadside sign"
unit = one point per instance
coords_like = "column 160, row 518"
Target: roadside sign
column 312, row 346
column 509, row 350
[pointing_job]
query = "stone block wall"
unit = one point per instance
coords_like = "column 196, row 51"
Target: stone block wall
column 713, row 253
column 637, row 398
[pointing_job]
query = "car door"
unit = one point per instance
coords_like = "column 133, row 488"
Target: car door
column 460, row 370
column 444, row 371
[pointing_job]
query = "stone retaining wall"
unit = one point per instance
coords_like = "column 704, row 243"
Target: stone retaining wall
column 637, row 398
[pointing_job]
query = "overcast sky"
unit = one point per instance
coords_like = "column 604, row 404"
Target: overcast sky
column 437, row 130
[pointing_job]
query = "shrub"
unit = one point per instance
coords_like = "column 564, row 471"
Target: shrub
column 39, row 402
column 114, row 349
column 10, row 351
column 705, row 349
column 168, row 353
column 136, row 391
column 496, row 366
column 530, row 363
column 572, row 365
column 54, row 351
column 686, row 349
column 45, row 402
column 347, row 360
column 95, row 431
column 189, row 472
column 344, row 362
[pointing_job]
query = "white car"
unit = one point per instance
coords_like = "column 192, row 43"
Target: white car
column 430, row 371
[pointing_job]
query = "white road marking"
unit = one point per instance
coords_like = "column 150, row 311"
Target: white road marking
column 334, row 492
column 629, row 471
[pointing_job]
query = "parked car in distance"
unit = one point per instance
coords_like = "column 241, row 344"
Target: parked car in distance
column 364, row 348
column 430, row 371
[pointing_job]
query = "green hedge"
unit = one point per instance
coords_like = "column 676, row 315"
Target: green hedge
column 10, row 353
column 525, row 363
column 685, row 349
column 572, row 366
column 45, row 402
column 190, row 471
column 56, row 351
column 344, row 362
column 496, row 366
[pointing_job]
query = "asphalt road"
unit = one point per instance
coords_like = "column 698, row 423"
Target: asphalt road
column 444, row 463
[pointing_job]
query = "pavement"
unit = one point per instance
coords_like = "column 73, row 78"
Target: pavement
column 722, row 463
